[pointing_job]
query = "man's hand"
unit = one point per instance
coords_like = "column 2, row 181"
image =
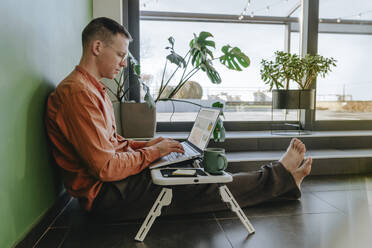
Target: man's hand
column 154, row 141
column 167, row 146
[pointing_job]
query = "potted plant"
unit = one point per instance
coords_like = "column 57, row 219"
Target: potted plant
column 139, row 125
column 198, row 58
column 288, row 67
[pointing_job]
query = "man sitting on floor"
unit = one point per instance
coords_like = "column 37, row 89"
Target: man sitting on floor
column 107, row 173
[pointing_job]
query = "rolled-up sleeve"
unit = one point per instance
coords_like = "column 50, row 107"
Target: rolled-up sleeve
column 86, row 130
column 134, row 144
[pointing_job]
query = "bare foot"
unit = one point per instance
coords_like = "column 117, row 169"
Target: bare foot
column 293, row 159
column 300, row 173
column 294, row 156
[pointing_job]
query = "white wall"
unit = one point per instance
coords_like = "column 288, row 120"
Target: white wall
column 108, row 8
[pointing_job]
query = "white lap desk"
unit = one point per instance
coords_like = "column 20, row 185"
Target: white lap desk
column 165, row 197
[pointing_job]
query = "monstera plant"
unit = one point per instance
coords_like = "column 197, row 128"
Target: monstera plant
column 200, row 57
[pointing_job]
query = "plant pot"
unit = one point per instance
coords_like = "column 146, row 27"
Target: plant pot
column 293, row 99
column 117, row 113
column 138, row 120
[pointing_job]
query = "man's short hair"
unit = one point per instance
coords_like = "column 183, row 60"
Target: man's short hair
column 103, row 29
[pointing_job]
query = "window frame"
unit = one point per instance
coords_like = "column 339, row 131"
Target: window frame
column 310, row 6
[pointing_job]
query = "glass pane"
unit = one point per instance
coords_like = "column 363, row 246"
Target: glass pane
column 345, row 9
column 236, row 7
column 245, row 95
column 295, row 43
column 345, row 93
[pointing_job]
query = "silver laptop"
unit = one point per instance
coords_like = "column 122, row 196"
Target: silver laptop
column 196, row 142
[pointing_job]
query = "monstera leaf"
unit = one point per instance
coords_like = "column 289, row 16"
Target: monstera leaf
column 212, row 74
column 171, row 41
column 233, row 58
column 199, row 48
column 173, row 57
column 135, row 65
column 176, row 59
column 148, row 98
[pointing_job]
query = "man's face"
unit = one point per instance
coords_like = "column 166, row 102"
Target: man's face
column 113, row 56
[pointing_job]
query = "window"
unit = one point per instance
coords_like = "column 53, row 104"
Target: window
column 245, row 95
column 344, row 94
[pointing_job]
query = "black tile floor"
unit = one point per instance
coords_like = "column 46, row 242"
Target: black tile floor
column 335, row 211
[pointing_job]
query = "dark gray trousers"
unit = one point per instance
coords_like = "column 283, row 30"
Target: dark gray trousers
column 133, row 197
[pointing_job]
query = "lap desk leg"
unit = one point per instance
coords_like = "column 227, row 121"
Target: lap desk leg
column 234, row 206
column 165, row 198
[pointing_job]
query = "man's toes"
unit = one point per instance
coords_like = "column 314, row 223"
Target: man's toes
column 306, row 167
column 297, row 145
column 308, row 162
column 301, row 148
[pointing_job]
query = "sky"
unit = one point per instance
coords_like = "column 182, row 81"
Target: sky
column 259, row 42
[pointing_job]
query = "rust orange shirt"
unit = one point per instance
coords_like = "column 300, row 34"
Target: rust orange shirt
column 81, row 125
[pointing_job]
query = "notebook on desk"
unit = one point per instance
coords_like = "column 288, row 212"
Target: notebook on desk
column 197, row 140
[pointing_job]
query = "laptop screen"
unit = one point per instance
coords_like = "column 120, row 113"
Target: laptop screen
column 203, row 127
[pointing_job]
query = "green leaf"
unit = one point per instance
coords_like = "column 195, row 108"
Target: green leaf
column 217, row 105
column 209, row 52
column 148, row 98
column 212, row 74
column 137, row 69
column 225, row 49
column 222, row 131
column 197, row 61
column 171, row 41
column 210, row 43
column 215, row 133
column 219, row 131
column 135, row 65
column 199, row 48
column 176, row 59
column 203, row 36
column 233, row 58
column 220, row 106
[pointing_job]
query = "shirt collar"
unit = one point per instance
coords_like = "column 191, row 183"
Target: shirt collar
column 100, row 86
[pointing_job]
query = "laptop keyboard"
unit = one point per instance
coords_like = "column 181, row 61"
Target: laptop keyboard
column 176, row 155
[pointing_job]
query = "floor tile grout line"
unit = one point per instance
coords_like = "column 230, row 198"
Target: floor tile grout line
column 330, row 190
column 343, row 212
column 277, row 215
column 68, row 204
column 64, row 238
column 136, row 223
column 41, row 237
column 223, row 230
column 49, row 227
column 59, row 227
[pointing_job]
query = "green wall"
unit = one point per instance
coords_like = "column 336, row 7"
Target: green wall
column 39, row 46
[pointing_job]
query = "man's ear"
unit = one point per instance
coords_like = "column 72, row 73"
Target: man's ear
column 96, row 47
